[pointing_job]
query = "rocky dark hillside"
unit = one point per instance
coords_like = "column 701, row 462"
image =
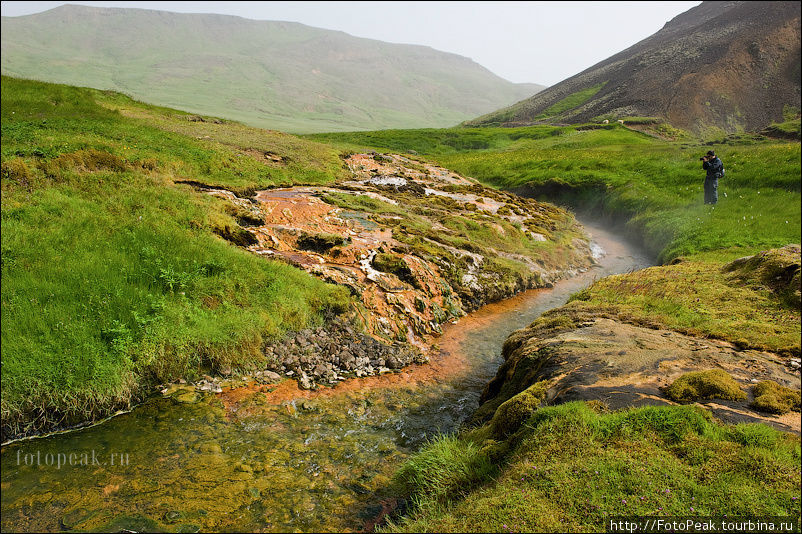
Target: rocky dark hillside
column 280, row 75
column 732, row 65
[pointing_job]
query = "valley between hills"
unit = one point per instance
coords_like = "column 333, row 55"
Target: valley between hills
column 529, row 322
column 310, row 290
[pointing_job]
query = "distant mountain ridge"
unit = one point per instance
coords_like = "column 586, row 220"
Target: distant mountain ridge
column 279, row 75
column 730, row 65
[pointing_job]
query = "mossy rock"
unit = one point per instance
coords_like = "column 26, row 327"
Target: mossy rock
column 237, row 235
column 776, row 269
column 699, row 385
column 321, row 242
column 512, row 413
column 771, row 397
column 394, row 264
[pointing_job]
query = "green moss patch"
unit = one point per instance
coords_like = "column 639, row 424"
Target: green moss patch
column 771, row 397
column 321, row 242
column 395, row 264
column 512, row 413
column 701, row 385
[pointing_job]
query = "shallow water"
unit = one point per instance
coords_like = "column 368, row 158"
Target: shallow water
column 288, row 460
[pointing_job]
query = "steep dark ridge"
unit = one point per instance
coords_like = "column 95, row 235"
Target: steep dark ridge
column 280, row 75
column 732, row 65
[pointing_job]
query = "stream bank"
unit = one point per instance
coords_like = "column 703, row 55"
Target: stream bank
column 273, row 457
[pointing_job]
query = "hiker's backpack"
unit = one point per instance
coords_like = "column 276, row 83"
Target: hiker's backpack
column 719, row 173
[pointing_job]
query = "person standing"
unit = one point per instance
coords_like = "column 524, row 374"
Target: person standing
column 715, row 170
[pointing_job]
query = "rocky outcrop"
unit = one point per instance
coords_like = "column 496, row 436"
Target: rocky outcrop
column 621, row 365
column 329, row 354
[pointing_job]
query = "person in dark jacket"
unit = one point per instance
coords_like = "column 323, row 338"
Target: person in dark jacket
column 715, row 170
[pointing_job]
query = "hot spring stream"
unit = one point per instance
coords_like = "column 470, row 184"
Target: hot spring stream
column 288, row 461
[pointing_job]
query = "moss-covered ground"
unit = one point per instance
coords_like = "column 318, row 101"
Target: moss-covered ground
column 571, row 469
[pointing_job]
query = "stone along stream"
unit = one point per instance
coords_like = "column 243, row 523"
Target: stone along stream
column 288, row 460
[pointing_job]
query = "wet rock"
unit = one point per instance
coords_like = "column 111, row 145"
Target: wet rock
column 185, row 395
column 271, row 377
column 305, row 382
column 393, row 363
column 309, row 406
column 173, row 516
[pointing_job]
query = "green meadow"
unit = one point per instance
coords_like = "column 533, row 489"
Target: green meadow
column 114, row 277
column 652, row 185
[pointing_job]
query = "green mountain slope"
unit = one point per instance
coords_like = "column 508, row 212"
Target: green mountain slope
column 279, row 75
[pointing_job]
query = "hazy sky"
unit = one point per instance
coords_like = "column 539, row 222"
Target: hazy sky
column 539, row 42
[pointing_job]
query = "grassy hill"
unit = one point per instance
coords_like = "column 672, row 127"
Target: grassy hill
column 279, row 75
column 114, row 277
column 720, row 66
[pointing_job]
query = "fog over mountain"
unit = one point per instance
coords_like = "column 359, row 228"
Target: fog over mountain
column 279, row 75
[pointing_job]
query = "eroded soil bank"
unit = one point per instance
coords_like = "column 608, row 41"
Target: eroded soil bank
column 418, row 247
column 271, row 457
